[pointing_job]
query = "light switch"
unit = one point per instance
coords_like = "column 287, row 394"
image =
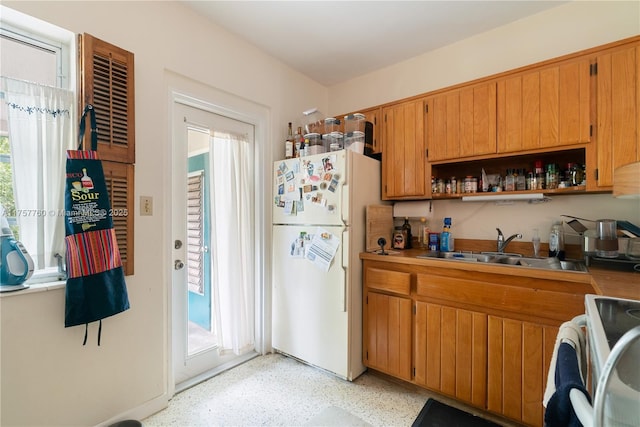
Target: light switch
column 146, row 205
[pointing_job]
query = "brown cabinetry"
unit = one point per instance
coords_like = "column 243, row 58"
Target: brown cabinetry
column 478, row 334
column 545, row 107
column 387, row 322
column 518, row 357
column 404, row 167
column 582, row 108
column 450, row 351
column 618, row 112
column 462, row 122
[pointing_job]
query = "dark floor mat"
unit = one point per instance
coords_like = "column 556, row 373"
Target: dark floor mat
column 437, row 414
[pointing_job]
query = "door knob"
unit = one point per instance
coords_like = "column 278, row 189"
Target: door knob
column 178, row 264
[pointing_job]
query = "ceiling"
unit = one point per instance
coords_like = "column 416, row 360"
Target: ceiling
column 334, row 41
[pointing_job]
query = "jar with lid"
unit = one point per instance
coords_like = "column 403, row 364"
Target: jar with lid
column 399, row 237
column 447, row 186
column 553, row 177
column 509, row 181
column 440, row 186
column 521, row 180
column 454, row 184
column 467, row 184
column 531, row 181
column 577, row 174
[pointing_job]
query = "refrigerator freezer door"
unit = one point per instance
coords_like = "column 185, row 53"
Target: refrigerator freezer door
column 309, row 317
column 309, row 190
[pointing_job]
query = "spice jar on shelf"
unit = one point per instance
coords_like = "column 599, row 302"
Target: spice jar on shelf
column 553, row 177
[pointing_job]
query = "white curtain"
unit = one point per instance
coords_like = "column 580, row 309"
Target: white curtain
column 40, row 123
column 232, row 242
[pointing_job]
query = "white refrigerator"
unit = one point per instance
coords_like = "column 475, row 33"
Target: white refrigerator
column 319, row 209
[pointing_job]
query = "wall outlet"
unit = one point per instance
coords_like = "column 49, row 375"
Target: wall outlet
column 146, row 205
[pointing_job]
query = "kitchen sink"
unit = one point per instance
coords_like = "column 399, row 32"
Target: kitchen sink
column 459, row 256
column 546, row 263
column 508, row 259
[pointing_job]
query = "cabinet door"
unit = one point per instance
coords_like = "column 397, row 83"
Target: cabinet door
column 462, row 123
column 519, row 354
column 450, row 351
column 387, row 335
column 545, row 108
column 618, row 111
column 403, row 163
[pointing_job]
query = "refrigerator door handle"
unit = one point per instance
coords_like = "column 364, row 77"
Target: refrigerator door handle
column 345, row 268
column 344, row 204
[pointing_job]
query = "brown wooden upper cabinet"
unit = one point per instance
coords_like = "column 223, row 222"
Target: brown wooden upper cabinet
column 404, row 167
column 545, row 107
column 462, row 122
column 618, row 112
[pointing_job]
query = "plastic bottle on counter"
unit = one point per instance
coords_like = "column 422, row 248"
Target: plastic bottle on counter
column 424, row 233
column 446, row 238
column 406, row 227
column 556, row 241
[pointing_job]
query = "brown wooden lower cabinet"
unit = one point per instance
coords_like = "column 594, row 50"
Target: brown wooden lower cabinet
column 485, row 339
column 388, row 334
column 518, row 357
column 450, row 351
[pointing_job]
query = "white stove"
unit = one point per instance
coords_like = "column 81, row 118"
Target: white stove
column 608, row 319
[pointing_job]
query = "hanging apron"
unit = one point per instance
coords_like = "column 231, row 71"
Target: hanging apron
column 95, row 279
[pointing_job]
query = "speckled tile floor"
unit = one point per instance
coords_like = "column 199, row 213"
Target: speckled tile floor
column 274, row 390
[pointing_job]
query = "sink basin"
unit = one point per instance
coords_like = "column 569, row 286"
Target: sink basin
column 459, row 256
column 508, row 259
column 546, row 263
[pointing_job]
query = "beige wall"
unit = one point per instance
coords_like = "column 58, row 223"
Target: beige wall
column 48, row 378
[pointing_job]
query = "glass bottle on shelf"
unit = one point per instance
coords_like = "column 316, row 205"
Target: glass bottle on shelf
column 288, row 144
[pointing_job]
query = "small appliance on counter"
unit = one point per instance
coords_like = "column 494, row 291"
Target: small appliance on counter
column 611, row 244
column 16, row 265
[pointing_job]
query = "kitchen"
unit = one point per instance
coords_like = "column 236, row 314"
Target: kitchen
column 69, row 371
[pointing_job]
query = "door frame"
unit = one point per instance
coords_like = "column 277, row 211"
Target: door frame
column 182, row 90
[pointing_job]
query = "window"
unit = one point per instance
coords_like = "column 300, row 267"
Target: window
column 38, row 55
column 35, row 67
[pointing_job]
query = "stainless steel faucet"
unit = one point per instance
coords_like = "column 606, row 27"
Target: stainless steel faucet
column 502, row 243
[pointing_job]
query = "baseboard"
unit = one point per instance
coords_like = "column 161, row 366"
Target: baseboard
column 140, row 412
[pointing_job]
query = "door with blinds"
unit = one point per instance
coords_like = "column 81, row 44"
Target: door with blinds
column 207, row 232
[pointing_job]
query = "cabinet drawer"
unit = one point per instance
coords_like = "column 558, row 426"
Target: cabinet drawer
column 387, row 280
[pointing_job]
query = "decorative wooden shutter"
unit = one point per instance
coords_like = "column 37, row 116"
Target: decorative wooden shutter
column 195, row 230
column 106, row 82
column 120, row 179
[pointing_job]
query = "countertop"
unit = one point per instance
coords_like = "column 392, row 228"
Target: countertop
column 605, row 281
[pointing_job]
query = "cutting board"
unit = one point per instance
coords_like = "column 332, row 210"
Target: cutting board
column 379, row 224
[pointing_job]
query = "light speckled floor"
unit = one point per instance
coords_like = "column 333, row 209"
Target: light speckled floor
column 274, row 390
column 279, row 391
